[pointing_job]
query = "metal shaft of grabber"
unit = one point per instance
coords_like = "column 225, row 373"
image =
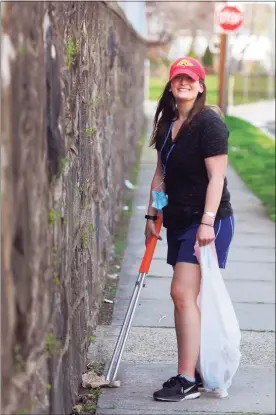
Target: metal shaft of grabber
column 128, row 327
column 143, row 270
column 125, row 327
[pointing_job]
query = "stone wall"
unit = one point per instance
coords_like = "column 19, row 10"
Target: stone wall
column 72, row 113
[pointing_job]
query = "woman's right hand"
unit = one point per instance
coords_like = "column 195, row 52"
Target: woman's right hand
column 151, row 231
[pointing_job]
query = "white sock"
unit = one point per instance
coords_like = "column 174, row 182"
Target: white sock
column 187, row 378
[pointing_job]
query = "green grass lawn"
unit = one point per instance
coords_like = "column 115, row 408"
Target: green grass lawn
column 157, row 86
column 257, row 89
column 252, row 155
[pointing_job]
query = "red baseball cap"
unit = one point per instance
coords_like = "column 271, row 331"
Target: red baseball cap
column 187, row 66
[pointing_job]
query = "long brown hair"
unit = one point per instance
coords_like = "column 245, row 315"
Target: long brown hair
column 167, row 111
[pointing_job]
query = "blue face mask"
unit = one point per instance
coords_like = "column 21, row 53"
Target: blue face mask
column 159, row 200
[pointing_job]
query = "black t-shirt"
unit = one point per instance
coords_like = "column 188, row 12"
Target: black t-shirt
column 186, row 176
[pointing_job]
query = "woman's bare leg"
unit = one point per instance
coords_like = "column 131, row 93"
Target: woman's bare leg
column 184, row 292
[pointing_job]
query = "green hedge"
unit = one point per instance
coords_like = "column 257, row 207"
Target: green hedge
column 252, row 155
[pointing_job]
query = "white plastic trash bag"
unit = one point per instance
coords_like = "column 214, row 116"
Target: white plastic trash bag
column 220, row 333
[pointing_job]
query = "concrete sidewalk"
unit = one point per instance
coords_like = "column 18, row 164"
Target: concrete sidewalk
column 261, row 114
column 150, row 356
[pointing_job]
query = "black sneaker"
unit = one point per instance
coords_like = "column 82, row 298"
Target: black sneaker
column 177, row 389
column 198, row 379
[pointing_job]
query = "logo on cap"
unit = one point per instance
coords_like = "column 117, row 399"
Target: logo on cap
column 184, row 62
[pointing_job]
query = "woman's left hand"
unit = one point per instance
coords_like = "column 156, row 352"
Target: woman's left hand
column 205, row 235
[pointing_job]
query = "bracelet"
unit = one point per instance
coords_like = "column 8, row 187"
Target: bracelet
column 207, row 224
column 151, row 217
column 210, row 214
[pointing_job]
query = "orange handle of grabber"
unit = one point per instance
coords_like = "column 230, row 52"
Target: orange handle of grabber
column 147, row 258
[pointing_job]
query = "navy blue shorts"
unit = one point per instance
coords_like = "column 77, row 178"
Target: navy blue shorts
column 181, row 244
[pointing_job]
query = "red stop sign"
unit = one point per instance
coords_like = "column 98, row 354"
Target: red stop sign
column 229, row 18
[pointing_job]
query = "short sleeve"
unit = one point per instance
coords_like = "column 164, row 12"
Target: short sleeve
column 214, row 139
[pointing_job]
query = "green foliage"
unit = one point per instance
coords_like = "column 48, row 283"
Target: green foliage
column 52, row 345
column 84, row 240
column 97, row 367
column 252, row 154
column 55, row 278
column 55, row 259
column 110, row 290
column 72, row 49
column 90, row 131
column 92, row 339
column 52, row 216
column 207, row 59
column 192, row 53
column 91, row 228
column 88, row 230
column 89, row 408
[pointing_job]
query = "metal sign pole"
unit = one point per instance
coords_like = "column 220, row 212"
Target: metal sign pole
column 227, row 18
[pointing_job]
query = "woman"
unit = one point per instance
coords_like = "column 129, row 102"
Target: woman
column 191, row 140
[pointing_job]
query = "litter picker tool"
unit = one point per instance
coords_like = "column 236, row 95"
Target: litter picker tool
column 121, row 342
